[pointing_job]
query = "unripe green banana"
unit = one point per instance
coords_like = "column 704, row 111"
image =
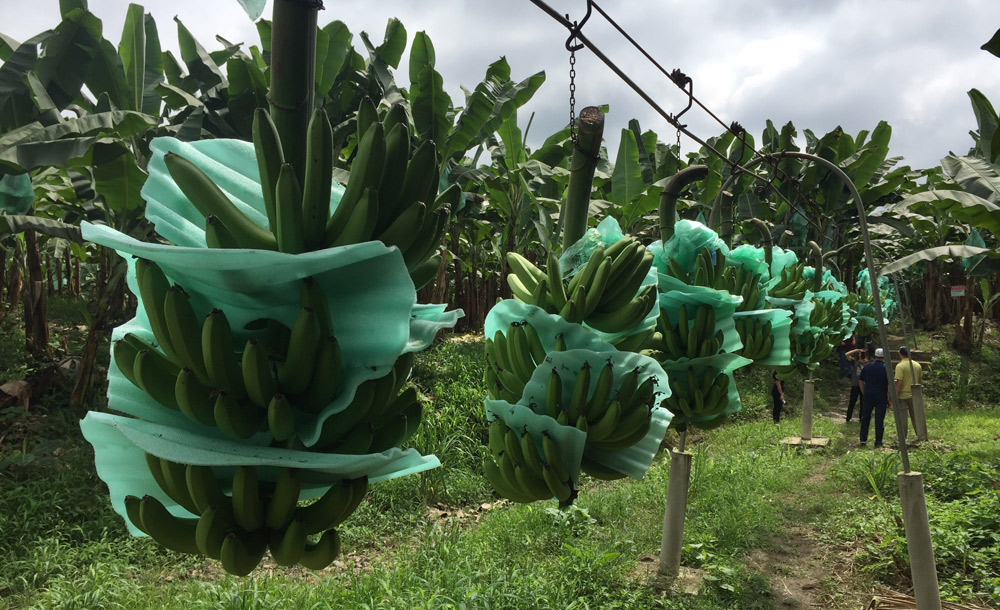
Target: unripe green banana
column 280, row 420
column 323, row 553
column 500, row 483
column 553, row 457
column 327, row 380
column 426, row 271
column 270, row 158
column 132, row 507
column 390, row 188
column 361, row 224
column 153, row 287
column 202, row 487
column 234, row 419
column 214, row 525
column 296, row 371
column 248, row 510
column 258, row 375
column 208, row 199
column 290, row 231
column 366, row 173
column 217, row 235
column 239, row 558
column 169, row 531
column 184, row 328
column 338, row 425
column 288, row 545
column 581, row 387
column 221, row 364
column 156, row 376
column 557, row 487
column 557, row 290
column 318, row 179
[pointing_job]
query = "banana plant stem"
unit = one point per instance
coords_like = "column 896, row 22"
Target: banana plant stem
column 586, row 154
column 671, row 192
column 293, row 74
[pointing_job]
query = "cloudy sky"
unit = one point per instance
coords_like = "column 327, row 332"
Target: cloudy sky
column 818, row 64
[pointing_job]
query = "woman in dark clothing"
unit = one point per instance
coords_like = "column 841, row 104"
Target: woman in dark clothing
column 778, row 394
column 858, row 359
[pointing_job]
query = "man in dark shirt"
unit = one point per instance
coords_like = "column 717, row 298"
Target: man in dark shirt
column 874, row 397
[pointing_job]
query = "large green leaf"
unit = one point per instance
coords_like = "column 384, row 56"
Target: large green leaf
column 176, row 98
column 198, row 61
column 626, row 180
column 154, row 68
column 52, row 228
column 986, row 118
column 430, row 106
column 247, row 92
column 974, row 175
column 953, row 251
column 868, row 160
column 118, row 178
column 132, row 50
column 7, row 46
column 421, row 54
column 993, row 44
column 646, row 161
column 393, row 44
column 513, row 143
column 107, row 76
column 960, row 205
column 67, row 55
column 470, row 129
column 338, row 44
column 41, row 97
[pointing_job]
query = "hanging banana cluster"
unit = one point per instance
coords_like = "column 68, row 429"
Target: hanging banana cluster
column 606, row 294
column 700, row 397
column 524, row 469
column 512, row 357
column 292, row 373
column 792, row 284
column 391, row 196
column 238, row 528
column 687, row 339
column 757, row 337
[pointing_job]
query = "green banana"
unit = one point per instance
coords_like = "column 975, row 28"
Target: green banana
column 280, row 420
column 236, row 420
column 361, row 224
column 153, row 287
column 581, row 387
column 366, row 173
column 156, row 376
column 132, row 508
column 237, row 558
column 400, row 232
column 397, row 158
column 557, row 291
column 221, row 364
column 338, row 425
column 323, row 553
column 208, row 198
column 217, row 235
column 270, row 158
column 258, row 376
column 289, row 231
column 202, row 487
column 185, row 331
column 557, row 487
column 172, row 532
column 248, row 510
column 327, row 381
column 214, row 524
column 318, row 180
column 296, row 371
column 288, row 545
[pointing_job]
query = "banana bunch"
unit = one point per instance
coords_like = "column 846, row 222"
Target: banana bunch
column 698, row 398
column 695, row 338
column 792, row 284
column 238, row 528
column 705, row 273
column 511, row 358
column 739, row 281
column 826, row 314
column 612, row 418
column 808, row 348
column 602, row 294
column 757, row 338
column 520, row 472
column 197, row 371
column 391, row 195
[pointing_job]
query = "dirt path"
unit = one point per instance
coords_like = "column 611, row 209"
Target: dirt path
column 805, row 572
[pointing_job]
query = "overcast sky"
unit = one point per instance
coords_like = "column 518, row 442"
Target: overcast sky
column 818, row 64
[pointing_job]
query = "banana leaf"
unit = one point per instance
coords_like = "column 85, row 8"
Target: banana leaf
column 961, row 205
column 952, row 251
column 975, row 175
column 47, row 226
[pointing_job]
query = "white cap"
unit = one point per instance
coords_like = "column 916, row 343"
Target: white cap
column 878, row 352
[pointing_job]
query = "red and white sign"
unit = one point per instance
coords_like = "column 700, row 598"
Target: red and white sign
column 957, row 291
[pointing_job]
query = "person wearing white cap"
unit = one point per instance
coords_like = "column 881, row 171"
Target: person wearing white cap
column 874, row 397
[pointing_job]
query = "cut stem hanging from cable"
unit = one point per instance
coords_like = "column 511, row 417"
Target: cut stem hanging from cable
column 586, row 154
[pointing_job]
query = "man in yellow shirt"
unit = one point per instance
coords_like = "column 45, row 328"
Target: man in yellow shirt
column 907, row 373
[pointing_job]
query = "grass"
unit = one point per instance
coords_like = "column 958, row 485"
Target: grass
column 440, row 540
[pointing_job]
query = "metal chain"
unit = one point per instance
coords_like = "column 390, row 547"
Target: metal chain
column 572, row 95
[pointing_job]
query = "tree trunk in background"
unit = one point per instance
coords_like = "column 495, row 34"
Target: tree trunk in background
column 932, row 311
column 36, row 328
column 76, row 277
column 3, row 271
column 14, row 279
column 107, row 302
column 49, row 275
column 59, row 277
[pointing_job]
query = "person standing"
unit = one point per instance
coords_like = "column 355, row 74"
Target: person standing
column 874, row 387
column 908, row 372
column 858, row 359
column 778, row 395
column 842, row 350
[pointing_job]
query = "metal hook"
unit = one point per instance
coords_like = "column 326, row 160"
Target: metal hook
column 575, row 30
column 683, row 80
column 739, row 132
